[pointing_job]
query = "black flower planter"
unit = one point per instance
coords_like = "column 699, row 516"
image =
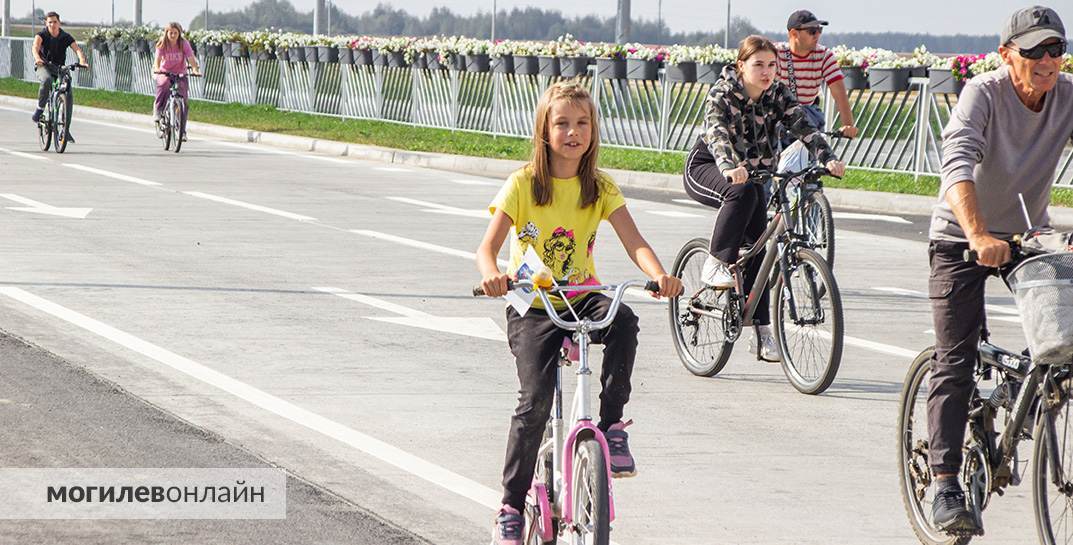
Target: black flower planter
column 283, row 55
column 683, row 71
column 943, row 81
column 379, row 57
column 312, row 54
column 432, row 60
column 550, row 66
column 918, row 72
column 397, row 59
column 611, row 68
column 526, row 65
column 346, row 55
column 709, row 72
column 327, row 54
column 363, row 57
column 888, row 80
column 226, row 48
column 480, row 62
column 457, row 62
column 572, row 67
column 141, row 46
column 642, row 69
column 100, row 46
column 420, row 62
column 116, row 46
column 855, row 78
column 298, row 54
column 503, row 64
column 263, row 55
column 213, row 50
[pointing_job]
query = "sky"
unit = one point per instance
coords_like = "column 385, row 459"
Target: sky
column 928, row 16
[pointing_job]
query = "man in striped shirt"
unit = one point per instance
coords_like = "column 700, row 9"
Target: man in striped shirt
column 804, row 65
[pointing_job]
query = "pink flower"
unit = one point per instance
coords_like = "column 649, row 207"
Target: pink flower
column 964, row 71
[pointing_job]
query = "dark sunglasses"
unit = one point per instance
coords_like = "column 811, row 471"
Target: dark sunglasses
column 1055, row 50
column 813, row 30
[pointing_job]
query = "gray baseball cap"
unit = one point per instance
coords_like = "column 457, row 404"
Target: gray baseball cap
column 1028, row 27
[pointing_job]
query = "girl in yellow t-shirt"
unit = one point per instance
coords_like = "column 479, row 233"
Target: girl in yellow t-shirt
column 555, row 205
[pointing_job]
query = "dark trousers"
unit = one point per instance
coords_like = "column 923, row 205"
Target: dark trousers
column 46, row 76
column 956, row 291
column 535, row 342
column 742, row 216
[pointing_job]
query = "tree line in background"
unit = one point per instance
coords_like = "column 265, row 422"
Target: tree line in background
column 532, row 23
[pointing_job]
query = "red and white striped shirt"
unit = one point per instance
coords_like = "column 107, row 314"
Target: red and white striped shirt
column 810, row 71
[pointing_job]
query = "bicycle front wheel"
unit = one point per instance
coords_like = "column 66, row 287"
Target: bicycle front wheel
column 1052, row 483
column 165, row 126
column 913, row 470
column 819, row 225
column 591, row 495
column 44, row 132
column 809, row 322
column 697, row 316
column 63, row 122
column 177, row 124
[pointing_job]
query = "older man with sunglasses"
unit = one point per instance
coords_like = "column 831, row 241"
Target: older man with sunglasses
column 805, row 65
column 1004, row 139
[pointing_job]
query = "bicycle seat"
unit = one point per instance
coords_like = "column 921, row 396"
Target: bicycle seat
column 570, row 351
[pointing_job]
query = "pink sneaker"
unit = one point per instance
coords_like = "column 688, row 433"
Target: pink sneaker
column 508, row 527
column 622, row 464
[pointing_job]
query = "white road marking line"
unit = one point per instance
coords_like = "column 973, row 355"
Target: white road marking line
column 673, row 214
column 47, row 209
column 250, row 206
column 257, row 146
column 376, row 448
column 872, row 345
column 687, row 201
column 870, row 217
column 442, row 208
column 421, row 245
column 993, row 308
column 392, row 169
column 117, row 126
column 374, row 302
column 476, row 182
column 25, row 155
column 113, row 175
column 480, row 327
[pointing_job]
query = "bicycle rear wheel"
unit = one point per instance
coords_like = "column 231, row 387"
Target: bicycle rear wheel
column 177, row 124
column 914, row 473
column 1054, row 502
column 699, row 339
column 819, row 224
column 44, row 131
column 811, row 342
column 165, row 126
column 63, row 122
column 591, row 495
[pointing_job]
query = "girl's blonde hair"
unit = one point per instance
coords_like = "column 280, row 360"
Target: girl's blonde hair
column 163, row 41
column 539, row 166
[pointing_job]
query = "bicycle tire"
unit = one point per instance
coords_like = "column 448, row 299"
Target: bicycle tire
column 591, row 494
column 809, row 377
column 687, row 267
column 913, row 450
column 1041, row 470
column 177, row 124
column 63, row 122
column 165, row 123
column 818, row 222
column 44, row 133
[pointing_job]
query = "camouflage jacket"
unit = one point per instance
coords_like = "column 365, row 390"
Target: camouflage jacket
column 740, row 132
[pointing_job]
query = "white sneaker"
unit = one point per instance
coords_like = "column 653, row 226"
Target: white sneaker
column 769, row 347
column 716, row 274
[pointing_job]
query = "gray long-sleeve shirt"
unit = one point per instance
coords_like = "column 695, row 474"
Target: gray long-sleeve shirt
column 996, row 142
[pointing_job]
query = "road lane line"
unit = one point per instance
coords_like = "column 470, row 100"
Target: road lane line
column 25, row 155
column 870, row 217
column 257, row 146
column 113, row 175
column 392, row 169
column 376, row 448
column 416, row 244
column 1001, row 309
column 257, row 207
column 688, row 201
column 673, row 214
column 374, row 302
column 442, row 208
column 476, row 182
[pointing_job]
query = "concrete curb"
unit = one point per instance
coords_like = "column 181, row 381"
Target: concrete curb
column 870, row 201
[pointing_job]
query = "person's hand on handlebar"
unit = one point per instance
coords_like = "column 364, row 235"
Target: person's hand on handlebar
column 848, row 131
column 990, row 251
column 737, row 175
column 495, row 285
column 669, row 286
column 837, row 168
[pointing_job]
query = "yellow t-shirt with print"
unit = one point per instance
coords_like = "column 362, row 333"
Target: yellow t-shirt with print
column 561, row 233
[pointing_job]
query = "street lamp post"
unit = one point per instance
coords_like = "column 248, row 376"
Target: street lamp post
column 493, row 21
column 206, row 14
column 726, row 35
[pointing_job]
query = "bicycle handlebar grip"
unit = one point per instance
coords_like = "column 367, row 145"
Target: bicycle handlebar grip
column 652, row 286
column 970, row 256
column 478, row 291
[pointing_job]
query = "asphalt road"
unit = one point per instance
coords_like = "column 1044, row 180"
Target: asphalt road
column 240, row 305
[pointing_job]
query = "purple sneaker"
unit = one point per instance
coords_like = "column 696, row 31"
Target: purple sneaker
column 622, row 464
column 508, row 527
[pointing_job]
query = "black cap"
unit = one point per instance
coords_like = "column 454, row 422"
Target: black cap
column 1029, row 27
column 803, row 18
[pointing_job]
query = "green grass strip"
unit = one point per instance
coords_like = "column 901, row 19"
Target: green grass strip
column 406, row 137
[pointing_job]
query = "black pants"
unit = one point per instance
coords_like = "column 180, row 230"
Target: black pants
column 956, row 290
column 46, row 76
column 742, row 216
column 535, row 342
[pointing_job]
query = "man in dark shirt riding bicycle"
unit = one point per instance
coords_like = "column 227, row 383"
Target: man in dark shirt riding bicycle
column 50, row 50
column 1003, row 142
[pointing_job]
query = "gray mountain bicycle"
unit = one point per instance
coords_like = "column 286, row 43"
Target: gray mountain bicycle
column 171, row 128
column 54, row 127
